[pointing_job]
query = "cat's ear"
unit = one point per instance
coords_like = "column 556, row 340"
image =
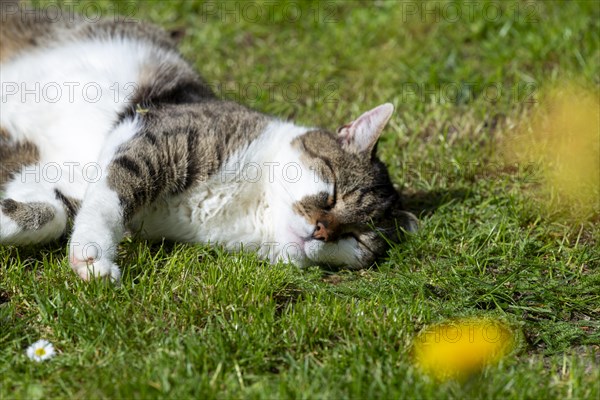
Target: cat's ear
column 360, row 136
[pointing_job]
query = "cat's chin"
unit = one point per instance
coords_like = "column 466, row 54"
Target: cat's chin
column 343, row 253
column 293, row 248
column 310, row 252
column 304, row 251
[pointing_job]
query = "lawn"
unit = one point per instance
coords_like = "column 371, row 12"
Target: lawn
column 496, row 239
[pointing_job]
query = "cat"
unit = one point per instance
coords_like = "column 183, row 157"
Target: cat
column 106, row 127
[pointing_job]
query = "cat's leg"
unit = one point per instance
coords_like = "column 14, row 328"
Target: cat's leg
column 99, row 225
column 140, row 169
column 33, row 210
column 98, row 228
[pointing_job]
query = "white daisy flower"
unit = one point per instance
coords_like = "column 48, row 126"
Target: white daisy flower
column 40, row 350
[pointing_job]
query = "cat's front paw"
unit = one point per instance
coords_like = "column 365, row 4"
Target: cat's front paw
column 90, row 261
column 92, row 268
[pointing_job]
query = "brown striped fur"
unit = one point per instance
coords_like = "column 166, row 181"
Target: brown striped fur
column 180, row 146
column 14, row 156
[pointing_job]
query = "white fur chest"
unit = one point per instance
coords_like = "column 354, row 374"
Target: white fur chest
column 228, row 213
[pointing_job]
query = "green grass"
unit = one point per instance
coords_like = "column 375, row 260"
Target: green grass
column 190, row 321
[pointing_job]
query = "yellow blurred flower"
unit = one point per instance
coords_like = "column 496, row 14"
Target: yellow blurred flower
column 563, row 138
column 457, row 349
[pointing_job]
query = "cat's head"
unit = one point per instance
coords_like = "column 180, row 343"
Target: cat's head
column 347, row 212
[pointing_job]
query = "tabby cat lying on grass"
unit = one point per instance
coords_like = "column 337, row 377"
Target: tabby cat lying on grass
column 138, row 141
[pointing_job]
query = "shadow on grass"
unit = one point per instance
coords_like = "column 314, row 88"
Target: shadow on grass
column 425, row 203
column 32, row 254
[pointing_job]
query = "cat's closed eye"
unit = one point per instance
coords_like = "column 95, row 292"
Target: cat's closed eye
column 327, row 201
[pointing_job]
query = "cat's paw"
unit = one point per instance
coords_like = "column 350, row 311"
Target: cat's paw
column 410, row 222
column 93, row 260
column 91, row 268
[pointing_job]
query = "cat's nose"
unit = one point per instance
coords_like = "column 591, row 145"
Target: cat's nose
column 321, row 232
